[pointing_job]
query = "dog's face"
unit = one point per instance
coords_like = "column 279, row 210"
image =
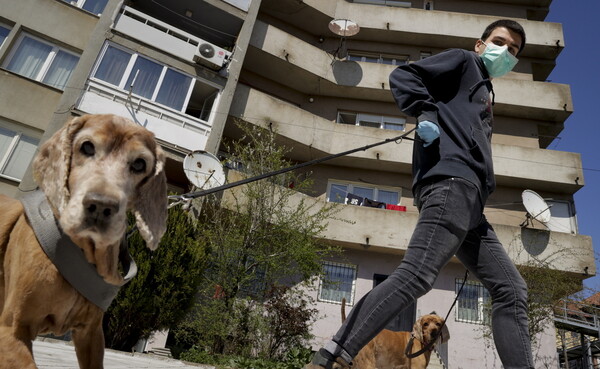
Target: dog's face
column 95, row 169
column 428, row 327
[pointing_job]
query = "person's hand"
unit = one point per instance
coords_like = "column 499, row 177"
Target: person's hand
column 428, row 131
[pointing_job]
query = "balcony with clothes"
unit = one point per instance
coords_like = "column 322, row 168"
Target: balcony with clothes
column 178, row 107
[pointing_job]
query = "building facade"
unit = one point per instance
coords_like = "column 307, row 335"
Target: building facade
column 188, row 70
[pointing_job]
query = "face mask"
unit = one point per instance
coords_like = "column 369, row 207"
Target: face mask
column 497, row 60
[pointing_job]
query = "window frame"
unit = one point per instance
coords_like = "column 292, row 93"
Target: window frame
column 47, row 64
column 133, row 56
column 375, row 188
column 393, row 3
column 80, row 3
column 483, row 299
column 20, row 131
column 7, row 27
column 382, row 123
column 322, row 282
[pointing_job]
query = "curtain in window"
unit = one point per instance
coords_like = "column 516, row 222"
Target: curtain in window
column 337, row 283
column 338, row 193
column 364, row 192
column 60, row 70
column 146, row 74
column 29, row 57
column 3, row 34
column 95, row 6
column 389, row 197
column 6, row 138
column 113, row 65
column 173, row 89
column 20, row 157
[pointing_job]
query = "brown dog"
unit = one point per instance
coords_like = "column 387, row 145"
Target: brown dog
column 387, row 349
column 92, row 171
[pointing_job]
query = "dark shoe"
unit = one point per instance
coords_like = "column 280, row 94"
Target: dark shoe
column 323, row 359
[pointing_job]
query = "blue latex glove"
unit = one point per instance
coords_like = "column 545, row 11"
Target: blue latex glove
column 428, row 131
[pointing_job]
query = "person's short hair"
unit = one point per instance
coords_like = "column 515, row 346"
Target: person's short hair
column 508, row 24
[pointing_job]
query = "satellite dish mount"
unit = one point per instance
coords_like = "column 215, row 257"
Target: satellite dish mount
column 537, row 208
column 343, row 28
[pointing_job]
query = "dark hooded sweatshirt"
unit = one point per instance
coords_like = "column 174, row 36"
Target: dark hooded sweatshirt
column 451, row 89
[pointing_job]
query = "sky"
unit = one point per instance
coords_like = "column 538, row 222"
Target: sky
column 578, row 65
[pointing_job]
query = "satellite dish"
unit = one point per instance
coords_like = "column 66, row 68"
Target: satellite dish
column 203, row 170
column 344, row 27
column 536, row 207
column 206, row 50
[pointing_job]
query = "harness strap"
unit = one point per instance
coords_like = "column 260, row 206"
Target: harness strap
column 69, row 258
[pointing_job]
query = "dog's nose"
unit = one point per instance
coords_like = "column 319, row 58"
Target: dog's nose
column 99, row 208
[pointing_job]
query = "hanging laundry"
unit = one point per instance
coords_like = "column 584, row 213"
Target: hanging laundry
column 395, row 207
column 352, row 199
column 373, row 204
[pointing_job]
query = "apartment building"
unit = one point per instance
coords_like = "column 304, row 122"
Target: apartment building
column 187, row 70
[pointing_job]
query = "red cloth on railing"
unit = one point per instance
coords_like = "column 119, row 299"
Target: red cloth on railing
column 395, row 207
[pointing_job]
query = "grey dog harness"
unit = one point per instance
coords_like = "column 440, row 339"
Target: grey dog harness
column 69, row 258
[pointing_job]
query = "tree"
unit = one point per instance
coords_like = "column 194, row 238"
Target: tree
column 257, row 236
column 164, row 288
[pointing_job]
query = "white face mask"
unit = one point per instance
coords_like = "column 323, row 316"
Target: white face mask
column 497, row 60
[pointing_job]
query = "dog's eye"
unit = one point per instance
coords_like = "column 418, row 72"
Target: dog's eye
column 138, row 166
column 425, row 324
column 87, row 148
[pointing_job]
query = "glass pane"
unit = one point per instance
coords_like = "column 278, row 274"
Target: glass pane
column 347, row 118
column 6, row 137
column 144, row 76
column 3, row 34
column 60, row 70
column 95, row 6
column 364, row 192
column 21, row 156
column 389, row 197
column 113, row 65
column 173, row 89
column 337, row 283
column 29, row 57
column 338, row 193
column 393, row 126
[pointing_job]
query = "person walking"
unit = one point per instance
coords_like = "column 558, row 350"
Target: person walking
column 451, row 95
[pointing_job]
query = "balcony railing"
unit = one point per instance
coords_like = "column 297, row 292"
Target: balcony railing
column 167, row 124
column 157, row 33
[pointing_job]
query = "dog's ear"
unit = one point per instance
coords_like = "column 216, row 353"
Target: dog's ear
column 151, row 203
column 418, row 329
column 445, row 336
column 52, row 164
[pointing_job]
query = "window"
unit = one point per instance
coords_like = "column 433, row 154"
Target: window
column 4, row 31
column 563, row 217
column 371, row 120
column 337, row 192
column 92, row 6
column 428, row 5
column 42, row 61
column 16, row 151
column 378, row 58
column 402, row 4
column 473, row 304
column 338, row 282
column 156, row 82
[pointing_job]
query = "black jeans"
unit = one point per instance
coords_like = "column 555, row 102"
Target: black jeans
column 451, row 222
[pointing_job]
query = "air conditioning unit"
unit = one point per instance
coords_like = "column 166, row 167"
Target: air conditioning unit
column 211, row 55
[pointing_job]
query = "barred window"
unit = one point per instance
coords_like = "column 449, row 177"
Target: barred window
column 473, row 303
column 338, row 282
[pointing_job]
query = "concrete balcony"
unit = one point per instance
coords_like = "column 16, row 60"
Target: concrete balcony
column 412, row 26
column 389, row 232
column 540, row 169
column 301, row 66
column 170, row 126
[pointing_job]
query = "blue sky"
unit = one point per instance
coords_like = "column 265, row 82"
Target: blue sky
column 579, row 66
